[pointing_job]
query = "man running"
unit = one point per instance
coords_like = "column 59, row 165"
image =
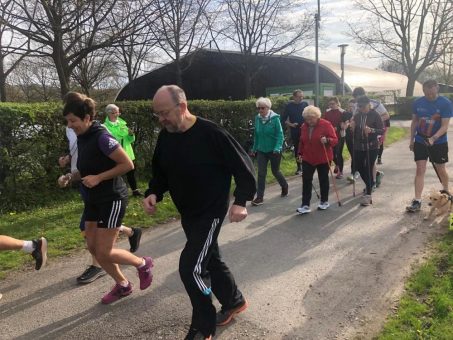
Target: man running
column 195, row 160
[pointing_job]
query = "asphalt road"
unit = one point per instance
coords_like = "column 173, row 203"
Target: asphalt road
column 331, row 274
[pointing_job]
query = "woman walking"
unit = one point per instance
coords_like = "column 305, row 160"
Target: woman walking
column 316, row 134
column 366, row 126
column 267, row 146
column 117, row 127
column 101, row 162
column 335, row 115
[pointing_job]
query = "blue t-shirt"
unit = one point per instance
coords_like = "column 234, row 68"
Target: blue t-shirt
column 430, row 114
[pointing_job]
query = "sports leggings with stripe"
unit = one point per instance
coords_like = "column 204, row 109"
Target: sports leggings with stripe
column 203, row 272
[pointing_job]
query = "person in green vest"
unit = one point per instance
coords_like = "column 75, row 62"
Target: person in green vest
column 125, row 136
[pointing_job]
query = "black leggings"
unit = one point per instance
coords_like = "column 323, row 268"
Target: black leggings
column 131, row 179
column 338, row 154
column 381, row 150
column 365, row 161
column 307, row 181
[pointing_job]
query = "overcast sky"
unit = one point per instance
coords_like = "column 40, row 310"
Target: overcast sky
column 333, row 33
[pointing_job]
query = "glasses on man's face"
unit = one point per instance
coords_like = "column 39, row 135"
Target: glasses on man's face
column 261, row 107
column 165, row 113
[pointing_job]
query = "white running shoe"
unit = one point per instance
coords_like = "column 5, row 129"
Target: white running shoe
column 356, row 175
column 305, row 209
column 323, row 205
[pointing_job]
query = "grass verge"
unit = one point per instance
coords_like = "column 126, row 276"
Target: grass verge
column 426, row 309
column 59, row 222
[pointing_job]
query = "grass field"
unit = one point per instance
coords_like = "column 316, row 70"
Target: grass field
column 59, row 222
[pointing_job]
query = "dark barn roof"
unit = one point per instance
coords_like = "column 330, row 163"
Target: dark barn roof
column 210, row 74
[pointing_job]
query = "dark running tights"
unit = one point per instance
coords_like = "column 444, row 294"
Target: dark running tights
column 364, row 161
column 131, row 179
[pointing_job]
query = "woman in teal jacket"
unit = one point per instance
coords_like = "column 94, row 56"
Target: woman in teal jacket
column 267, row 146
column 125, row 136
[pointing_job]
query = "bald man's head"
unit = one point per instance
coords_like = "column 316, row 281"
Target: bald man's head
column 174, row 92
column 170, row 106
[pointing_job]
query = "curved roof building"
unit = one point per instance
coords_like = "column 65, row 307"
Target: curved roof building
column 210, row 74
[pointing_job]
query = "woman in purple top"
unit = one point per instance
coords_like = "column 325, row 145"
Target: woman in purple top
column 101, row 162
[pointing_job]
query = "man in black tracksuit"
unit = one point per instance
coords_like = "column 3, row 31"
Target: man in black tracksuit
column 195, row 160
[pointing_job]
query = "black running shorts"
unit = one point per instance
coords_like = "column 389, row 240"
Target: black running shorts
column 107, row 214
column 437, row 153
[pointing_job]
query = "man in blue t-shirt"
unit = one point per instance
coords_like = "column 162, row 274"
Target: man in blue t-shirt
column 430, row 119
column 292, row 117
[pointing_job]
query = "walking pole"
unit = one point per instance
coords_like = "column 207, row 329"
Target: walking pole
column 331, row 174
column 370, row 167
column 316, row 192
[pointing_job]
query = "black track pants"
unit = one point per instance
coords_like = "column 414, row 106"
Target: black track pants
column 202, row 271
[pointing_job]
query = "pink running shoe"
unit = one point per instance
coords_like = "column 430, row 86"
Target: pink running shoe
column 144, row 273
column 116, row 293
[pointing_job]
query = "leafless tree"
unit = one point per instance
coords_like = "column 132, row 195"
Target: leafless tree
column 94, row 69
column 180, row 28
column 260, row 28
column 444, row 65
column 37, row 80
column 408, row 32
column 137, row 49
column 391, row 66
column 11, row 45
column 69, row 30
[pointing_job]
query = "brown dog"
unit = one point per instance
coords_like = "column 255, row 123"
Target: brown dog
column 441, row 205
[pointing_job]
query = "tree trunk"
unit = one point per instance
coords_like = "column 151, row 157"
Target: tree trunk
column 2, row 89
column 410, row 86
column 62, row 69
column 178, row 72
column 247, row 78
column 2, row 81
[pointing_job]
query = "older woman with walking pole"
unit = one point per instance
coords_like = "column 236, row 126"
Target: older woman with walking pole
column 366, row 126
column 316, row 133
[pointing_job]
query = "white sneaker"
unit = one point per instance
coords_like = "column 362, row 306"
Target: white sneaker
column 305, row 209
column 323, row 205
column 356, row 175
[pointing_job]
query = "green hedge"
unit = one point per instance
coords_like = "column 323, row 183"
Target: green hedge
column 32, row 138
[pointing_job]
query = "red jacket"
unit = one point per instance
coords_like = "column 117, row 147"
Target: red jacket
column 335, row 117
column 311, row 149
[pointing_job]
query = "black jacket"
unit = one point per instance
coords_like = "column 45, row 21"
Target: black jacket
column 92, row 161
